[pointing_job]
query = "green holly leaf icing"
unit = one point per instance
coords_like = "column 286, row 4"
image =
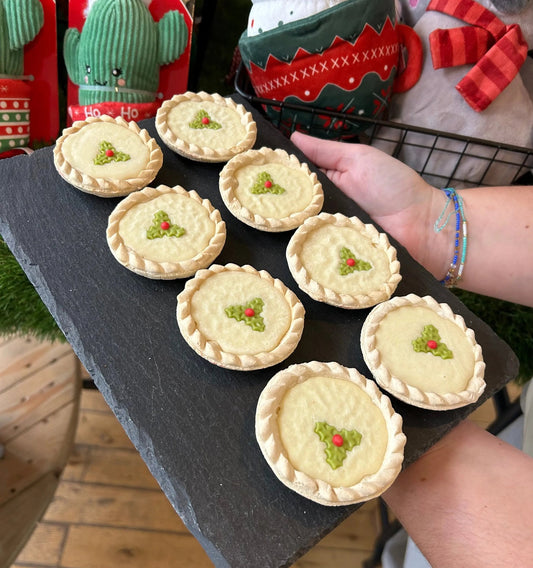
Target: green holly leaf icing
column 157, row 230
column 107, row 153
column 350, row 264
column 429, row 342
column 265, row 184
column 336, row 454
column 203, row 120
column 252, row 318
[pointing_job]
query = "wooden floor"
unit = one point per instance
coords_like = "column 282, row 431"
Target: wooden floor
column 108, row 511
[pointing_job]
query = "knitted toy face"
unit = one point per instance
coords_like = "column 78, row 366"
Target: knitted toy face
column 117, row 55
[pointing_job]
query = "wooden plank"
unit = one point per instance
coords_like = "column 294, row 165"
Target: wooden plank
column 101, row 429
column 24, row 356
column 325, row 557
column 118, row 466
column 357, row 532
column 19, row 517
column 37, row 451
column 122, row 548
column 32, row 399
column 92, row 399
column 82, row 503
column 44, row 546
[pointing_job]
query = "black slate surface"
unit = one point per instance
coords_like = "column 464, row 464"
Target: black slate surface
column 193, row 422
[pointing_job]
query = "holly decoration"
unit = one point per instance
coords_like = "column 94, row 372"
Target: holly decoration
column 265, row 184
column 203, row 120
column 162, row 227
column 350, row 264
column 249, row 313
column 429, row 342
column 338, row 442
column 107, row 153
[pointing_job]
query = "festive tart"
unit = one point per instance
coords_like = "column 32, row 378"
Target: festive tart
column 106, row 156
column 239, row 318
column 329, row 434
column 206, row 128
column 343, row 262
column 270, row 189
column 421, row 352
column 165, row 232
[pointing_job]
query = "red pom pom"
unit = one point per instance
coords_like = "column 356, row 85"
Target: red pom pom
column 249, row 313
column 205, row 120
column 350, row 262
column 165, row 225
column 432, row 344
column 109, row 153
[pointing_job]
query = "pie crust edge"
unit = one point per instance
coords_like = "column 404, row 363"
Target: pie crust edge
column 321, row 293
column 265, row 155
column 211, row 350
column 401, row 390
column 104, row 187
column 202, row 153
column 163, row 270
column 268, row 437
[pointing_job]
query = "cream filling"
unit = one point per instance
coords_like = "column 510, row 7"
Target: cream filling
column 231, row 288
column 320, row 255
column 296, row 197
column 231, row 133
column 182, row 211
column 341, row 404
column 428, row 372
column 81, row 148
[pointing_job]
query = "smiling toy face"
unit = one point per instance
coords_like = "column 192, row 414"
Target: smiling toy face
column 118, row 53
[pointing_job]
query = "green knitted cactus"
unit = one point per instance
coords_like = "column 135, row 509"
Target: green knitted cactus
column 20, row 22
column 120, row 49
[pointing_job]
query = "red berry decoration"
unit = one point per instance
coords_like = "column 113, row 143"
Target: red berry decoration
column 337, row 440
column 205, row 120
column 432, row 344
column 249, row 313
column 165, row 225
column 109, row 153
column 350, row 262
column 268, row 184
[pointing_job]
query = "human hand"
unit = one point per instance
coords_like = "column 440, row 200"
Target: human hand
column 393, row 194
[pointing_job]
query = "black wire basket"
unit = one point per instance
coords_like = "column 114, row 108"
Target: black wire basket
column 442, row 158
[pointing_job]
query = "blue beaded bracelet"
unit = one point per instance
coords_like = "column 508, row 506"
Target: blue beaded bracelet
column 455, row 271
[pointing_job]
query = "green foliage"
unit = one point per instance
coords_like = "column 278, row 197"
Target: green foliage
column 512, row 322
column 22, row 311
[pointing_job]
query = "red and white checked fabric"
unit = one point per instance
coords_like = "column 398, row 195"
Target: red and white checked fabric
column 498, row 50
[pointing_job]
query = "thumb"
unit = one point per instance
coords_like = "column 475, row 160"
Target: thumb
column 323, row 153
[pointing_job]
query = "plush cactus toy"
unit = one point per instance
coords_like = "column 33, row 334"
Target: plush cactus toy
column 20, row 22
column 116, row 58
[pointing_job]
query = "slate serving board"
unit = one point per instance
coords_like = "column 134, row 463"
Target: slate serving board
column 193, row 422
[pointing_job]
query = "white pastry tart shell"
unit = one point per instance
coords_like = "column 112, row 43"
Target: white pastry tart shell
column 202, row 150
column 269, row 437
column 322, row 292
column 134, row 260
column 107, row 185
column 209, row 347
column 398, row 387
column 267, row 157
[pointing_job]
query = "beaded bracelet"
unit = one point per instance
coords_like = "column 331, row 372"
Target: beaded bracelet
column 456, row 270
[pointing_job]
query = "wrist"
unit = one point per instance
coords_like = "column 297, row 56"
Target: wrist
column 435, row 250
